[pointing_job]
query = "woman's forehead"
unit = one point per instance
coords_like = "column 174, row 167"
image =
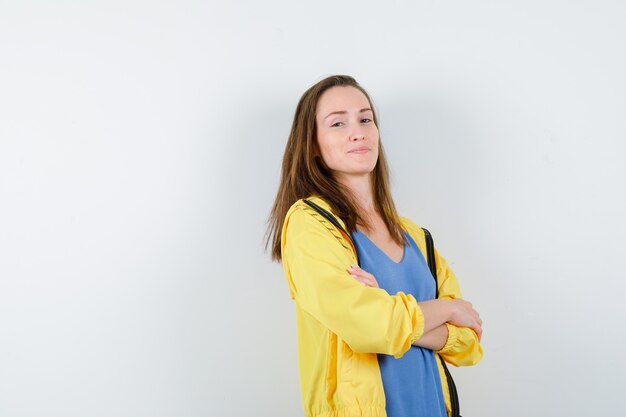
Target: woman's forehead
column 338, row 99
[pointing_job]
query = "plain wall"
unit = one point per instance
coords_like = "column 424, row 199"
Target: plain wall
column 140, row 151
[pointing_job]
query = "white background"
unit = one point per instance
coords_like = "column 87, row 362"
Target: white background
column 140, row 148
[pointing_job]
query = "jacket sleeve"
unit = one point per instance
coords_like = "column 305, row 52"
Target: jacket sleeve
column 368, row 319
column 462, row 347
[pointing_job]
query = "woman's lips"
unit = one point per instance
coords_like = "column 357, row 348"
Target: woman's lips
column 361, row 149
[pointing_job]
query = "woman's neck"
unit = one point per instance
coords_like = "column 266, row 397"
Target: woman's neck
column 361, row 189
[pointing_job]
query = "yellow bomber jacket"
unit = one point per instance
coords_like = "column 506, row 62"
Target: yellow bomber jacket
column 342, row 325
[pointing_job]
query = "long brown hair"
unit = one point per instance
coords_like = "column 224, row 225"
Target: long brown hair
column 304, row 173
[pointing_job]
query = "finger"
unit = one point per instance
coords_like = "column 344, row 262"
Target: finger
column 353, row 271
column 362, row 271
column 370, row 276
column 362, row 280
column 369, row 282
column 363, row 275
column 356, row 272
column 358, row 269
column 375, row 284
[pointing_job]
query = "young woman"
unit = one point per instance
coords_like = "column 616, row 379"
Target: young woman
column 370, row 337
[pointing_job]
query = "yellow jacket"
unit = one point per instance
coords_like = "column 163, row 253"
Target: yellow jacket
column 342, row 325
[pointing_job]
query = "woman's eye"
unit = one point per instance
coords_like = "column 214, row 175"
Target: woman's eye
column 337, row 124
column 366, row 120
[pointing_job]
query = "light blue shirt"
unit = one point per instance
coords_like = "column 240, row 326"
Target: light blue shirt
column 411, row 383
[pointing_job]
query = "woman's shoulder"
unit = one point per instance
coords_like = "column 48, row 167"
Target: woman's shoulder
column 302, row 217
column 409, row 225
column 301, row 204
column 311, row 210
column 415, row 231
column 303, row 209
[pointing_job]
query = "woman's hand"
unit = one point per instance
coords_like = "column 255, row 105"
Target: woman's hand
column 464, row 315
column 363, row 276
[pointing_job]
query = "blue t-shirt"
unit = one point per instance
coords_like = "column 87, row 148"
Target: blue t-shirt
column 411, row 383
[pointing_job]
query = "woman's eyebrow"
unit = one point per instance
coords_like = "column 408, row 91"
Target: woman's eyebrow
column 363, row 110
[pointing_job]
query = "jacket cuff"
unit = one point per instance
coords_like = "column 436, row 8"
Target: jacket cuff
column 453, row 337
column 418, row 325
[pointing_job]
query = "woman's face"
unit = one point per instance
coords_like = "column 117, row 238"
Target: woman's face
column 346, row 133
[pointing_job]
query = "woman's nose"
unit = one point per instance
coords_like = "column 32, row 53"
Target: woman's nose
column 357, row 134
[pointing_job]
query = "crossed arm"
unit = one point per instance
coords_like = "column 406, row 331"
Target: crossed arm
column 368, row 319
column 436, row 314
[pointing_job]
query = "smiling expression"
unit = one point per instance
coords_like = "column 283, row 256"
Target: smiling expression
column 346, row 133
